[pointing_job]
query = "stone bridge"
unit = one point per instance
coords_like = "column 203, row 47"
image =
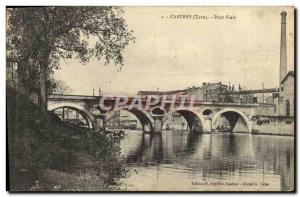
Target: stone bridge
column 201, row 116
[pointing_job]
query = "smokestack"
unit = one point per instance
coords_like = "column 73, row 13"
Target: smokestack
column 283, row 57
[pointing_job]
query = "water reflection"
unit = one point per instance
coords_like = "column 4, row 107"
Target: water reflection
column 176, row 160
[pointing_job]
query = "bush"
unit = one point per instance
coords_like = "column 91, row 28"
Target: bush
column 38, row 142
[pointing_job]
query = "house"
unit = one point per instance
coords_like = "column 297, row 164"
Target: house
column 286, row 95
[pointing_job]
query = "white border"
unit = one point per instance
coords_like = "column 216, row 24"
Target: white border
column 4, row 3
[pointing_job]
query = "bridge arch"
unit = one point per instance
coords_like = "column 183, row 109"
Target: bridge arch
column 76, row 107
column 232, row 114
column 193, row 118
column 207, row 112
column 143, row 116
column 157, row 111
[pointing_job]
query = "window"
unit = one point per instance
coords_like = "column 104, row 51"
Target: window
column 254, row 99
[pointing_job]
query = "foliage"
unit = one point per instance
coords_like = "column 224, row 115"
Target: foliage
column 39, row 141
column 61, row 32
column 39, row 37
column 55, row 180
column 60, row 87
column 104, row 148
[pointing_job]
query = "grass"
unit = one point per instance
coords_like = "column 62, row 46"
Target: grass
column 80, row 181
column 79, row 177
column 47, row 155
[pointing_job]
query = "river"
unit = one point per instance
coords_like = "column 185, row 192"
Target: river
column 179, row 161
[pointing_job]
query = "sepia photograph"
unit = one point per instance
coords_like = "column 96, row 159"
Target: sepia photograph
column 150, row 98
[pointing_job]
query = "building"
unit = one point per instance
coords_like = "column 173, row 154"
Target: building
column 161, row 93
column 71, row 116
column 282, row 97
column 213, row 92
column 286, row 95
column 286, row 80
column 268, row 95
column 123, row 119
column 195, row 91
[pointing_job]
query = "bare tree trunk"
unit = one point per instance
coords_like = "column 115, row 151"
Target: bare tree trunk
column 22, row 73
column 44, row 64
column 43, row 88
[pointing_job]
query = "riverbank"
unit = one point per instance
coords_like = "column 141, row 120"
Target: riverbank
column 253, row 133
column 265, row 125
column 82, row 176
column 47, row 155
column 273, row 125
column 266, row 133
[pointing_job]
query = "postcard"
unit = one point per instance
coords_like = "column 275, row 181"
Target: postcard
column 150, row 99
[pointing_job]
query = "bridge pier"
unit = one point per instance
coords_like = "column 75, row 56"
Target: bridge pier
column 100, row 122
column 207, row 125
column 157, row 127
column 207, row 112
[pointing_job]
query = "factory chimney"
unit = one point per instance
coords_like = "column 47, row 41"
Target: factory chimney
column 283, row 57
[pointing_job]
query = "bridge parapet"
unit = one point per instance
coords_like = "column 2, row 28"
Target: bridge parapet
column 207, row 112
column 71, row 97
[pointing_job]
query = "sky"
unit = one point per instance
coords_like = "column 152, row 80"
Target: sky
column 172, row 53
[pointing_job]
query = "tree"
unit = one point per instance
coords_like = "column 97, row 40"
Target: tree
column 39, row 37
column 61, row 87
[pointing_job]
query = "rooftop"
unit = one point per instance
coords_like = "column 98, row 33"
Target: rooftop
column 161, row 92
column 290, row 73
